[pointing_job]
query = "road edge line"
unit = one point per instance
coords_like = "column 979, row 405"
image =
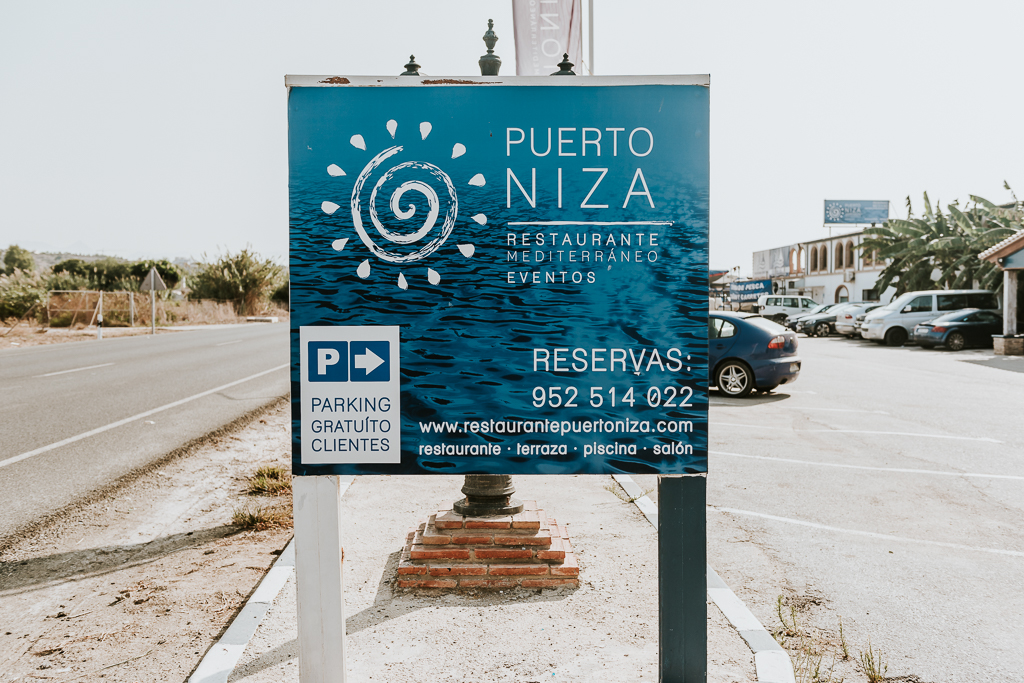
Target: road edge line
column 220, row 660
column 772, row 663
column 134, row 418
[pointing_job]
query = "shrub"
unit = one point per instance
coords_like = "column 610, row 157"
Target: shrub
column 19, row 291
column 243, row 278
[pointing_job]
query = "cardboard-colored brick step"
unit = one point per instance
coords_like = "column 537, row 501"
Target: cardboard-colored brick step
column 542, row 537
column 458, row 570
column 421, row 552
column 569, row 567
column 528, row 519
column 549, row 583
column 427, row 583
column 447, row 519
column 517, row 569
column 471, row 537
column 488, row 523
column 502, row 553
column 488, row 583
column 555, row 552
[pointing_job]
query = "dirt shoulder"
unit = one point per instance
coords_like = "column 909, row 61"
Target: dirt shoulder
column 137, row 586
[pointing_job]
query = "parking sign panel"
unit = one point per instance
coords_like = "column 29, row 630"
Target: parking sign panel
column 535, row 248
column 350, row 402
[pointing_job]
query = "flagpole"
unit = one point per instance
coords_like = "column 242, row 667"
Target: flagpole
column 590, row 35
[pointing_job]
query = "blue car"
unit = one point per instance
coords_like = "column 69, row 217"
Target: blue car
column 747, row 352
column 959, row 329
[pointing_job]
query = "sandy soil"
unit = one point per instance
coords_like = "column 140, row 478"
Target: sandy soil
column 136, row 587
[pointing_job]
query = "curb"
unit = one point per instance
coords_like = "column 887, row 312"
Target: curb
column 220, row 660
column 771, row 663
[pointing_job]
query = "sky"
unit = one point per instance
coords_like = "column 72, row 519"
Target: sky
column 158, row 129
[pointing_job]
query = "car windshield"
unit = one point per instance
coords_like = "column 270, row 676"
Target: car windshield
column 899, row 303
column 820, row 308
column 765, row 324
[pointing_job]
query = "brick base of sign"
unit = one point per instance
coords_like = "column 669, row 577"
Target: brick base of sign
column 1008, row 346
column 527, row 550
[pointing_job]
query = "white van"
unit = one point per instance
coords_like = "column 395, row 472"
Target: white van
column 894, row 322
column 778, row 308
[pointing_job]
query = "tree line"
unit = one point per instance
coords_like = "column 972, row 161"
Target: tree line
column 244, row 278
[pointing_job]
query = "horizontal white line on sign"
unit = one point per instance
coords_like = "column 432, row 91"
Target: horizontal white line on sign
column 870, row 534
column 237, row 341
column 904, row 470
column 64, row 372
column 859, row 431
column 133, row 418
column 589, row 223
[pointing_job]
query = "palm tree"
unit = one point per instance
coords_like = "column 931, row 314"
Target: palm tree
column 915, row 248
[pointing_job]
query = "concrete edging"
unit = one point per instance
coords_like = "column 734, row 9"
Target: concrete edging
column 220, row 660
column 771, row 662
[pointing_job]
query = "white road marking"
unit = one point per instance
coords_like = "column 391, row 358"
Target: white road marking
column 870, row 534
column 841, row 410
column 133, row 418
column 237, row 341
column 64, row 372
column 903, row 470
column 859, row 431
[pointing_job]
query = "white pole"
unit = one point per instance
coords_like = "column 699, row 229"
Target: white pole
column 320, row 588
column 99, row 327
column 152, row 308
column 590, row 34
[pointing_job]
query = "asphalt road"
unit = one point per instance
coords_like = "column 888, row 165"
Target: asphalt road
column 61, row 405
column 886, row 485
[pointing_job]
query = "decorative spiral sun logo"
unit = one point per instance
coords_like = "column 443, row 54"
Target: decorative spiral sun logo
column 834, row 211
column 390, row 238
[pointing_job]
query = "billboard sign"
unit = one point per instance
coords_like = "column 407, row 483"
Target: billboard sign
column 855, row 211
column 498, row 276
column 749, row 290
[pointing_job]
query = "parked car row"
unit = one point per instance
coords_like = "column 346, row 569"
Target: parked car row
column 951, row 318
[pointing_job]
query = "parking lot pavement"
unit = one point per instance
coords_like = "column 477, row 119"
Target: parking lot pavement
column 886, row 488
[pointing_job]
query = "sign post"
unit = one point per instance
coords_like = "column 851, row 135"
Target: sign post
column 499, row 276
column 153, row 283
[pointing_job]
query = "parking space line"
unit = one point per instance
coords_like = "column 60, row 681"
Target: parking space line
column 64, row 372
column 902, row 470
column 858, row 431
column 870, row 534
column 840, row 410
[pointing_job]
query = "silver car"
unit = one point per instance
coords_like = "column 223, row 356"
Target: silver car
column 846, row 321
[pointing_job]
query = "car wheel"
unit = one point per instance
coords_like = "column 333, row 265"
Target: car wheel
column 821, row 330
column 897, row 336
column 734, row 379
column 955, row 341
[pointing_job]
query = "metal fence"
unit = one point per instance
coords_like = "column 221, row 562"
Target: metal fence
column 65, row 308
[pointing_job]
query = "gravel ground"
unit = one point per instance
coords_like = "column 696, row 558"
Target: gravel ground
column 606, row 630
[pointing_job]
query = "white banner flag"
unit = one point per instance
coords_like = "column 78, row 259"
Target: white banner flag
column 544, row 31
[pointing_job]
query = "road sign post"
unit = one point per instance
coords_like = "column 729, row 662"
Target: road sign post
column 152, row 283
column 500, row 276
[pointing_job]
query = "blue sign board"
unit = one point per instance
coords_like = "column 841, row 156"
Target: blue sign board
column 499, row 276
column 750, row 290
column 856, row 211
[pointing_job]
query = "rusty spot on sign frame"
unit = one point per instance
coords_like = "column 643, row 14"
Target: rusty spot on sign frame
column 336, row 80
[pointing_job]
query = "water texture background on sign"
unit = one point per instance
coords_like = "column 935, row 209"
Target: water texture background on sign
column 467, row 342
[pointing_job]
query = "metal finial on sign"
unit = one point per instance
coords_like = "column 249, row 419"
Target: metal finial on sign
column 565, row 67
column 490, row 63
column 412, row 68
